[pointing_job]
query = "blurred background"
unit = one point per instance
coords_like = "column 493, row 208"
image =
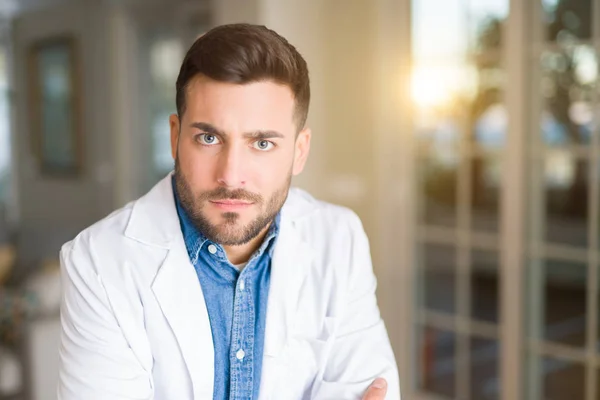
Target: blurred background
column 463, row 132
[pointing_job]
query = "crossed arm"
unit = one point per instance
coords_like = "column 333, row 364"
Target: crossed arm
column 361, row 363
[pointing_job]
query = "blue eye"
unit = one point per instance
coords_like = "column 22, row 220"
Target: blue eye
column 263, row 145
column 207, row 139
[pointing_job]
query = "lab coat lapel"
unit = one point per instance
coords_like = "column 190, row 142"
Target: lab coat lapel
column 179, row 294
column 154, row 222
column 291, row 260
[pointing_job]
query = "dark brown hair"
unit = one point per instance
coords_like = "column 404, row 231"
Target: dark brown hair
column 245, row 53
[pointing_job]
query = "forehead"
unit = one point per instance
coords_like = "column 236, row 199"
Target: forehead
column 235, row 108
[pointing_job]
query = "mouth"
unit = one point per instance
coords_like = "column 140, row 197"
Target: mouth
column 231, row 205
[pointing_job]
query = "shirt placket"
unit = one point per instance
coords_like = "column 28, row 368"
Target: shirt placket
column 242, row 349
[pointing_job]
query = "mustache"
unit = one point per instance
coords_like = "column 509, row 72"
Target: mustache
column 220, row 193
column 223, row 193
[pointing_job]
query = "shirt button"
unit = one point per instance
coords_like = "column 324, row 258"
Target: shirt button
column 212, row 249
column 240, row 354
column 242, row 285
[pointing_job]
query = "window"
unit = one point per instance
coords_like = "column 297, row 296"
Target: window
column 563, row 225
column 460, row 122
column 163, row 50
column 166, row 54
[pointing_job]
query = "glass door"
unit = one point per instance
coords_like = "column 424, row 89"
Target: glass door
column 460, row 118
column 563, row 160
column 490, row 112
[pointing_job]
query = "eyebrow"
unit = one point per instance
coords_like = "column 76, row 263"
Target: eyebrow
column 259, row 134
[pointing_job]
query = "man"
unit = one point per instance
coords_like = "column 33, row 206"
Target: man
column 221, row 282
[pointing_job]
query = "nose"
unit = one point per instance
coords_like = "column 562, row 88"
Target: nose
column 230, row 171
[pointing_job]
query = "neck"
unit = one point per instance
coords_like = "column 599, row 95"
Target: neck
column 242, row 253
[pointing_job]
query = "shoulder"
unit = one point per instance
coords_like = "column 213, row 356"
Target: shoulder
column 309, row 213
column 103, row 236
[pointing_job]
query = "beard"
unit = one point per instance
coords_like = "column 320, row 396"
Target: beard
column 229, row 232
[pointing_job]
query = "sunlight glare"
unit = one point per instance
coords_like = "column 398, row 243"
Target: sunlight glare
column 437, row 86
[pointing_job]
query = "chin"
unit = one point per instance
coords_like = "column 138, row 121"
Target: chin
column 239, row 219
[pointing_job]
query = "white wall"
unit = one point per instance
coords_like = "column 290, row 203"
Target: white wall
column 53, row 210
column 43, row 344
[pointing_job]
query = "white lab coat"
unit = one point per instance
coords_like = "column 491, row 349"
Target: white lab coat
column 135, row 324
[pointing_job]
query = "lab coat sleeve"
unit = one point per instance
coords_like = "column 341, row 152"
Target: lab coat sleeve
column 361, row 350
column 96, row 361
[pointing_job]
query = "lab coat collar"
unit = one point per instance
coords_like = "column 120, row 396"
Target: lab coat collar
column 154, row 221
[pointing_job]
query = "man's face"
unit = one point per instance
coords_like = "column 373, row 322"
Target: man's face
column 235, row 152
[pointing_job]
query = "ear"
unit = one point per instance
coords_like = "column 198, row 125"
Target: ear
column 301, row 150
column 174, row 124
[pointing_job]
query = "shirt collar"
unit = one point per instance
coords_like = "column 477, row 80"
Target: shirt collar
column 194, row 239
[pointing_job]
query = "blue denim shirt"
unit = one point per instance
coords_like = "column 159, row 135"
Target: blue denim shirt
column 237, row 306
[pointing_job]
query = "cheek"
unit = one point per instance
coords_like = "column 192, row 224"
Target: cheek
column 196, row 167
column 273, row 175
column 275, row 165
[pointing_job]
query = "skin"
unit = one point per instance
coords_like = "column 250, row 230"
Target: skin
column 236, row 148
column 377, row 390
